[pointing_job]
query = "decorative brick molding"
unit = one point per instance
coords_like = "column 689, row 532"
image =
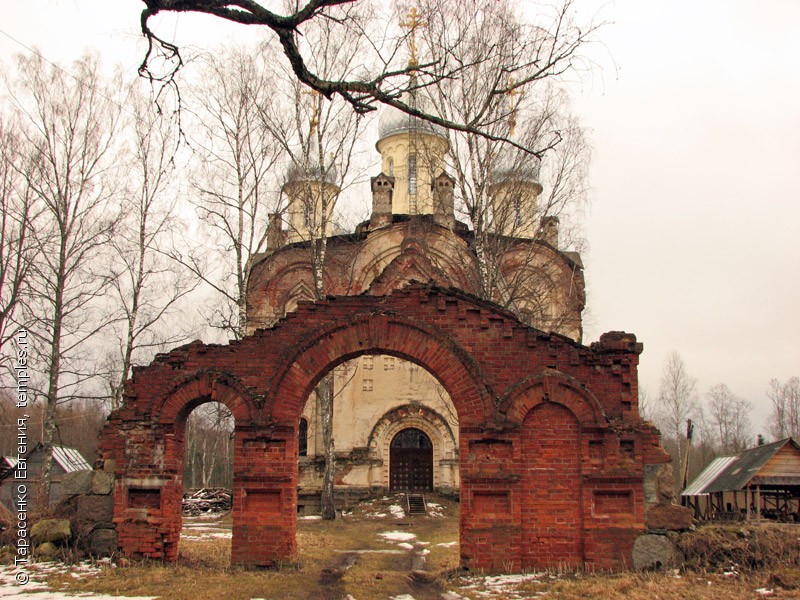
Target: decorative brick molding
column 552, row 450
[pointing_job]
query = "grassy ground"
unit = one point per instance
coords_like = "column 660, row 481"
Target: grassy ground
column 349, row 558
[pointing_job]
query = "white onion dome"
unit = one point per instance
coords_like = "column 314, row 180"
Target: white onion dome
column 393, row 121
column 517, row 166
column 313, row 169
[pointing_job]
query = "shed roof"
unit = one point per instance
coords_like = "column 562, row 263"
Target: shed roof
column 729, row 473
column 68, row 459
column 707, row 476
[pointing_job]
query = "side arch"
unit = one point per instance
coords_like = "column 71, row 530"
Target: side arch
column 382, row 333
column 205, row 386
column 550, row 385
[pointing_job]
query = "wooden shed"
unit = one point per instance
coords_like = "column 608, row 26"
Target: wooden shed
column 65, row 460
column 762, row 482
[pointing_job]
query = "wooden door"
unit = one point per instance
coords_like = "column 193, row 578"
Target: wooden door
column 411, row 461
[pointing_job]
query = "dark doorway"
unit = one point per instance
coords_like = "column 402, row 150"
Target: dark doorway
column 411, row 461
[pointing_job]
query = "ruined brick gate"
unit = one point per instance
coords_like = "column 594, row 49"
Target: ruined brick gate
column 553, row 453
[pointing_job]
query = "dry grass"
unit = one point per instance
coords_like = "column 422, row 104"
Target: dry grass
column 347, row 557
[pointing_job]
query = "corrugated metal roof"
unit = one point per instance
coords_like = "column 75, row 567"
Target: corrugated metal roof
column 736, row 472
column 747, row 466
column 70, row 459
column 707, row 476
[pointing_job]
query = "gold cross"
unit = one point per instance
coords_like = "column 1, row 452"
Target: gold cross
column 412, row 23
column 314, row 122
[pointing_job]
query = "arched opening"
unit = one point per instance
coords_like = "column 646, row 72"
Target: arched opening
column 411, row 461
column 208, row 451
column 376, row 396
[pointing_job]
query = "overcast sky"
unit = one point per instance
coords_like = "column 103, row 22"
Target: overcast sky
column 694, row 113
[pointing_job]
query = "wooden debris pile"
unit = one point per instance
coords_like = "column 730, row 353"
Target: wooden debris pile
column 207, row 501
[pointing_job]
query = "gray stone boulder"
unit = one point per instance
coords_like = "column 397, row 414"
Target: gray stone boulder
column 95, row 509
column 102, row 482
column 659, row 484
column 55, row 531
column 655, row 552
column 46, row 550
column 102, row 542
column 77, row 482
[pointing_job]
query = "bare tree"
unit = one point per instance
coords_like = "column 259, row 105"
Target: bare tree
column 497, row 186
column 730, row 419
column 320, row 140
column 18, row 216
column 69, row 125
column 677, row 404
column 147, row 285
column 381, row 78
column 784, row 420
column 235, row 180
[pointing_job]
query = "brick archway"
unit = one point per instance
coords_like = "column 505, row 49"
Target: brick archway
column 497, row 372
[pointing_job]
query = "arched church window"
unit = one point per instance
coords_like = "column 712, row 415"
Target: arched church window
column 302, row 437
column 412, row 173
column 411, row 438
column 391, row 167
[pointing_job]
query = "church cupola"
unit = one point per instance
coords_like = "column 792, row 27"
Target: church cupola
column 311, row 191
column 514, row 195
column 515, row 188
column 412, row 149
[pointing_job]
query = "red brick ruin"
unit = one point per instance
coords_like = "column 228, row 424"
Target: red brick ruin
column 553, row 453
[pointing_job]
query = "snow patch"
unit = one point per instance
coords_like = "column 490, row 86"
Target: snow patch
column 397, row 511
column 398, row 536
column 36, row 588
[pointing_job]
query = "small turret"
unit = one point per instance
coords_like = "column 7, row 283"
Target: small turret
column 443, row 187
column 549, row 231
column 276, row 236
column 382, row 189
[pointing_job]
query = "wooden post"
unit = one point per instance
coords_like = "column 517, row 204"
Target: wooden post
column 758, row 502
column 747, row 503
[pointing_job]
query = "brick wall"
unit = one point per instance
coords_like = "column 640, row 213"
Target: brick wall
column 552, row 448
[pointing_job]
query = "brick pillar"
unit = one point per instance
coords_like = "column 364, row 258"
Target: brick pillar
column 490, row 533
column 264, row 497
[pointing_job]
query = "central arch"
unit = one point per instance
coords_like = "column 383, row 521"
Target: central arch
column 381, row 333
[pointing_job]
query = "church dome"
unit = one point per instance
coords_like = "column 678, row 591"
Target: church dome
column 393, row 121
column 313, row 169
column 302, row 173
column 514, row 165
